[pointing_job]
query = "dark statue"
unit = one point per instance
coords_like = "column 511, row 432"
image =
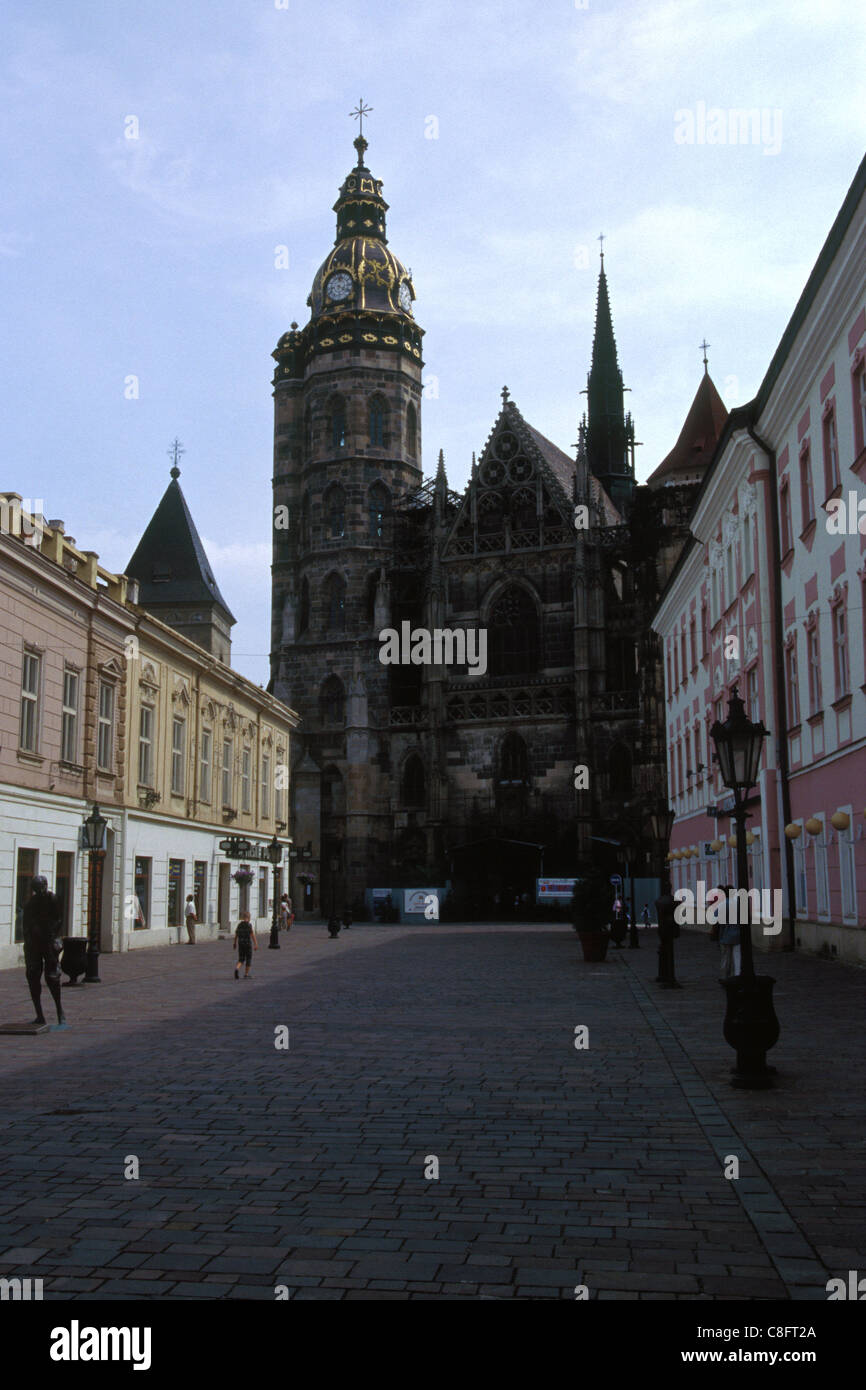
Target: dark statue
column 42, row 946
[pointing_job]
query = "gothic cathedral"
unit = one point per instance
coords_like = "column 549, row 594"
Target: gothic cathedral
column 419, row 775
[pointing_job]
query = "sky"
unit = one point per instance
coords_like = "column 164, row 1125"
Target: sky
column 155, row 158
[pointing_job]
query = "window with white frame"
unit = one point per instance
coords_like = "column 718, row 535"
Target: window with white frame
column 813, row 661
column 841, row 669
column 748, row 566
column 792, row 682
column 832, row 476
column 69, row 716
column 730, row 574
column 145, row 746
column 807, row 491
column 847, row 874
column 280, row 791
column 178, row 756
column 227, row 772
column 752, row 694
column 859, row 385
column 787, row 528
column 205, row 765
column 714, row 596
column 801, row 878
column 31, row 681
column 246, row 800
column 266, row 786
column 105, row 727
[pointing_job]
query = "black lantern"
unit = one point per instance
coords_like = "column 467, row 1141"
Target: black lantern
column 274, row 852
column 661, row 821
column 738, row 747
column 751, row 1026
column 94, row 842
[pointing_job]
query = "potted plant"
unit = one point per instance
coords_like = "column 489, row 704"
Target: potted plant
column 243, row 876
column 590, row 906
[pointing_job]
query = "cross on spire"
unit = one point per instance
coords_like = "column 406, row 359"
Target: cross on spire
column 505, row 395
column 174, row 454
column 601, row 241
column 359, row 113
column 703, row 346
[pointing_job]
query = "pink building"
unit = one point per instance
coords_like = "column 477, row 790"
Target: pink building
column 770, row 594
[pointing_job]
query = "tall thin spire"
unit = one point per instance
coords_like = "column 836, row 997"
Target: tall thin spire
column 609, row 434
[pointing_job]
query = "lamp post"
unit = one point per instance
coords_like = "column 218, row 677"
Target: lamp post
column 275, row 855
column 94, row 843
column 751, row 1026
column 661, row 821
column 334, row 924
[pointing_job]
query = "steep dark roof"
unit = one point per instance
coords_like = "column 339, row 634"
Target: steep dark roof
column 698, row 437
column 169, row 562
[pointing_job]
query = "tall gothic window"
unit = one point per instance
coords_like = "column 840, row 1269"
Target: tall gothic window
column 335, row 511
column 304, row 608
column 619, row 767
column 332, row 701
column 333, row 792
column 411, row 431
column 513, row 634
column 490, row 517
column 338, row 423
column 523, row 516
column 378, row 499
column 335, row 603
column 513, row 761
column 378, row 423
column 413, row 781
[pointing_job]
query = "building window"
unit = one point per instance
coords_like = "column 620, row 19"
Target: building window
column 411, row 431
column 413, row 782
column 31, row 678
column 378, row 499
column 514, row 634
column 676, row 664
column 263, row 892
column 832, row 476
column 205, row 766
column 801, row 879
column 730, row 574
column 858, row 381
column 64, row 874
column 105, row 728
column 27, row 864
column 683, row 655
column 335, row 511
column 145, row 746
column 670, row 681
column 227, row 773
column 813, row 659
column 752, row 695
column 785, row 515
column 141, row 906
column 335, row 603
column 714, row 595
column 693, row 643
column 807, row 496
column 792, row 682
column 178, row 750
column 246, row 799
column 847, row 875
column 840, row 649
column 279, row 789
column 378, row 423
column 747, row 546
column 338, row 424
column 69, row 717
column 705, row 629
column 332, row 702
column 266, row 786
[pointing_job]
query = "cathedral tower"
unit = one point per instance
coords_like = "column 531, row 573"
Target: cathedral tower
column 610, row 432
column 347, row 447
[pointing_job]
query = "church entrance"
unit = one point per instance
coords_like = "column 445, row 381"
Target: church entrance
column 494, row 879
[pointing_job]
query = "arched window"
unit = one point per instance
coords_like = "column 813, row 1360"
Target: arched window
column 332, row 702
column 335, row 511
column 411, row 431
column 619, row 767
column 335, row 603
column 378, row 500
column 513, row 762
column 333, row 792
column 490, row 513
column 378, row 423
column 412, row 791
column 338, row 423
column 513, row 636
column 304, row 607
column 523, row 516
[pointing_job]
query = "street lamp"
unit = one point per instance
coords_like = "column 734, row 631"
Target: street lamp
column 751, row 1026
column 275, row 855
column 94, row 842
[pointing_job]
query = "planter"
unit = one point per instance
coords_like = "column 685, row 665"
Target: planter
column 73, row 962
column 594, row 944
column 751, row 1027
column 334, row 928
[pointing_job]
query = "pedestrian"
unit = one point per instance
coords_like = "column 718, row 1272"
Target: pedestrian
column 286, row 915
column 41, row 928
column 729, row 935
column 646, row 915
column 245, row 943
column 189, row 914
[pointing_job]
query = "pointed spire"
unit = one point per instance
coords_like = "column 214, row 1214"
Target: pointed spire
column 609, row 433
column 441, row 492
column 704, row 345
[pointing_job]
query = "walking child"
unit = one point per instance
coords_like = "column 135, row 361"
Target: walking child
column 245, row 943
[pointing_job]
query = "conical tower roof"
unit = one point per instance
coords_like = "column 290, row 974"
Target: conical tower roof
column 688, row 459
column 170, row 563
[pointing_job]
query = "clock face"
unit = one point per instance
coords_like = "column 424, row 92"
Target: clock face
column 339, row 286
column 405, row 297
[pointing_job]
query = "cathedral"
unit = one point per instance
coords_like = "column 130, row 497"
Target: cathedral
column 548, row 759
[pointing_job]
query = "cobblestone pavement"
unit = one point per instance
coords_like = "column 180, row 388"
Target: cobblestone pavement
column 306, row 1167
